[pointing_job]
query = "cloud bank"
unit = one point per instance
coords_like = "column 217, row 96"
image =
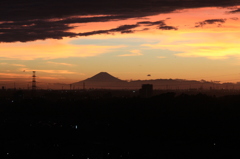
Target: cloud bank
column 31, row 20
column 210, row 21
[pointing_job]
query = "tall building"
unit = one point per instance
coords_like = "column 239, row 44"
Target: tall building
column 146, row 90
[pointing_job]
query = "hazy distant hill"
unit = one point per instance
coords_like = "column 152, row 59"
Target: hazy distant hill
column 106, row 81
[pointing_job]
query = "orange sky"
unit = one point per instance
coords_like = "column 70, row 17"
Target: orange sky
column 209, row 52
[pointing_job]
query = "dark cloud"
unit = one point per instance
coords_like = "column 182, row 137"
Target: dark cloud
column 42, row 29
column 34, row 30
column 165, row 27
column 72, row 20
column 94, row 32
column 210, row 21
column 235, row 11
column 145, row 29
column 125, row 27
column 128, row 28
column 148, row 23
column 122, row 29
column 42, row 9
column 161, row 25
column 28, row 20
column 127, row 31
column 234, row 18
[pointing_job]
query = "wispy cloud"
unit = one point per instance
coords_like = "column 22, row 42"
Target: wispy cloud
column 53, row 71
column 208, row 45
column 161, row 57
column 57, row 71
column 133, row 53
column 58, row 63
column 20, row 65
column 22, row 76
column 51, row 50
column 234, row 18
column 149, row 23
column 14, row 75
column 237, row 10
column 210, row 21
column 6, row 80
column 123, row 29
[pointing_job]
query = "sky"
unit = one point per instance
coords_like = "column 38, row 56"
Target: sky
column 69, row 41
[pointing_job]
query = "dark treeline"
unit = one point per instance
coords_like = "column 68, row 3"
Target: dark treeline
column 163, row 126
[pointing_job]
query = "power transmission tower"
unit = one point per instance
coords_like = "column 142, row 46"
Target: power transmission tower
column 34, row 86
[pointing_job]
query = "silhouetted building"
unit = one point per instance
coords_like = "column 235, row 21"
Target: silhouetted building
column 146, row 90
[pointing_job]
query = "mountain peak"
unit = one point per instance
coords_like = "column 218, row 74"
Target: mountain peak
column 103, row 73
column 103, row 77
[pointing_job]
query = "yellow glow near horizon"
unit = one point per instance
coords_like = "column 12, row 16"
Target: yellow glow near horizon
column 50, row 49
column 211, row 41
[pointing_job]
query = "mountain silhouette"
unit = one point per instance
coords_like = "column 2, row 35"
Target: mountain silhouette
column 104, row 80
column 101, row 80
column 102, row 77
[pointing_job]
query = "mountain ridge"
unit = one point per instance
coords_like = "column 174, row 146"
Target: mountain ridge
column 102, row 77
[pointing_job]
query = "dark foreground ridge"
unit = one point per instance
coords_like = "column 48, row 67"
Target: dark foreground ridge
column 163, row 126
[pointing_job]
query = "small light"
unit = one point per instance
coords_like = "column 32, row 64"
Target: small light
column 12, row 101
column 76, row 127
column 7, row 153
column 214, row 144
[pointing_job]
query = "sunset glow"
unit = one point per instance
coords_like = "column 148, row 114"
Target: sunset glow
column 198, row 42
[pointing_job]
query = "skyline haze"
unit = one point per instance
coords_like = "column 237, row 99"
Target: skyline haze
column 65, row 42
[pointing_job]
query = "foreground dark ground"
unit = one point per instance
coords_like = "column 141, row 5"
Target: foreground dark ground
column 163, row 126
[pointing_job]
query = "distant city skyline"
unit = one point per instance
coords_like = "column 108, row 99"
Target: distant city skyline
column 67, row 42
